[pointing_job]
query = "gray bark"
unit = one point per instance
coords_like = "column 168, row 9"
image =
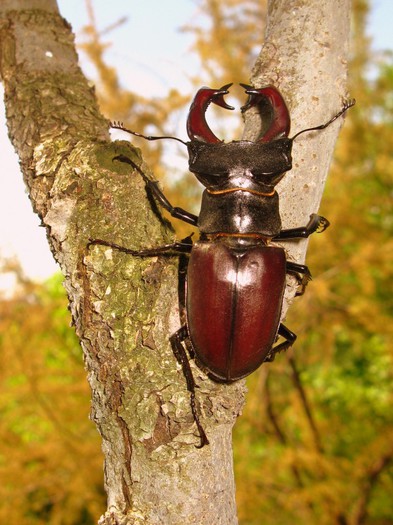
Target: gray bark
column 124, row 308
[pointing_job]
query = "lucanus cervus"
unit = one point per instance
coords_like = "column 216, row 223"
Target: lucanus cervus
column 232, row 285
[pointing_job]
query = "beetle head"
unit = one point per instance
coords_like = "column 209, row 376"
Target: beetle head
column 261, row 163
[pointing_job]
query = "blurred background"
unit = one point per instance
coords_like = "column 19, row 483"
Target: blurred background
column 315, row 442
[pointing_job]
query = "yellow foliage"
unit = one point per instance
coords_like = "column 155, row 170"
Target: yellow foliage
column 50, row 459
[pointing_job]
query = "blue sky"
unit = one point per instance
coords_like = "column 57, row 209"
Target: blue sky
column 150, row 52
column 152, row 55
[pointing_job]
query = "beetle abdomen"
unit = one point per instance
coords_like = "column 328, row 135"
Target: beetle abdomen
column 234, row 301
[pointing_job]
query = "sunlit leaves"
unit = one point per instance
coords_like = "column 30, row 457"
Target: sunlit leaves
column 50, row 460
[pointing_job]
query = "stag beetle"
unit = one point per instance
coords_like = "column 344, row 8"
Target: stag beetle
column 232, row 288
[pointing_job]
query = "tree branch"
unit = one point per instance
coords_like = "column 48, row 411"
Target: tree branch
column 305, row 55
column 124, row 308
column 305, row 403
column 370, row 480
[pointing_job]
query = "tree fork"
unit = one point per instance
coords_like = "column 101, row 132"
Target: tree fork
column 124, row 308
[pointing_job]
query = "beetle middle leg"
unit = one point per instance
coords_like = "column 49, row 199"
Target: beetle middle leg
column 172, row 248
column 176, row 341
column 316, row 224
column 290, row 337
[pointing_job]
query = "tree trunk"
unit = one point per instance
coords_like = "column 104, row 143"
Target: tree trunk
column 124, row 308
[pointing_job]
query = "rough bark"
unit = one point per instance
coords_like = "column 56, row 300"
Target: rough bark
column 124, row 308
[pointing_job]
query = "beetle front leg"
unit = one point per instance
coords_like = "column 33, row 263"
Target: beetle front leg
column 176, row 341
column 296, row 270
column 317, row 224
column 177, row 213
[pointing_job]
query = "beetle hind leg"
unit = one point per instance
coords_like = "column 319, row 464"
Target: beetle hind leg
column 302, row 274
column 176, row 341
column 181, row 338
column 289, row 337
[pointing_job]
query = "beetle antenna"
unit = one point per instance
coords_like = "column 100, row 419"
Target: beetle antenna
column 119, row 125
column 347, row 104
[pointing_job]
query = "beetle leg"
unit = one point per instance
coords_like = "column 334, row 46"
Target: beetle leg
column 176, row 341
column 183, row 246
column 182, row 336
column 289, row 337
column 302, row 280
column 177, row 213
column 182, row 293
column 317, row 223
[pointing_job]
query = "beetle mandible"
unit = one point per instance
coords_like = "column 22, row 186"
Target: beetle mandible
column 235, row 275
